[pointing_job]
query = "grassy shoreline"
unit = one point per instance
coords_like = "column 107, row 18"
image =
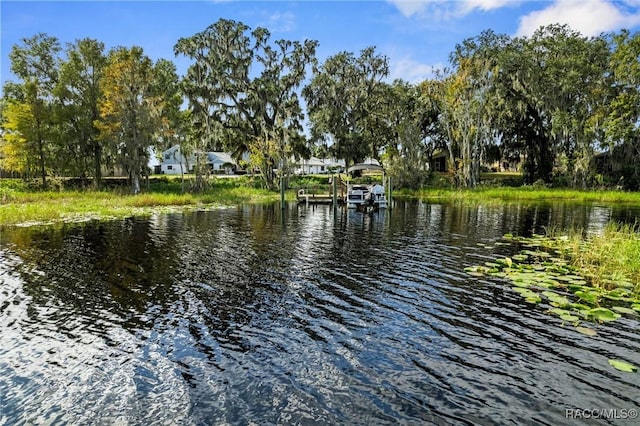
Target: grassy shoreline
column 20, row 206
column 520, row 194
column 611, row 256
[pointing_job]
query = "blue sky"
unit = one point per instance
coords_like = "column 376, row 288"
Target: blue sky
column 415, row 35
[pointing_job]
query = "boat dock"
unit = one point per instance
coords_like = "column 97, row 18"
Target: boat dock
column 321, row 194
column 318, row 199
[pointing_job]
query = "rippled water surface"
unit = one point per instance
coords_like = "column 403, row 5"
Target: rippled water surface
column 257, row 315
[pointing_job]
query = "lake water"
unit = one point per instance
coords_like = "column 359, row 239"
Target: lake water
column 254, row 315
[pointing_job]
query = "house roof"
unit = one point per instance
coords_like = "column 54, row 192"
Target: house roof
column 315, row 161
column 171, row 150
column 365, row 166
column 220, row 158
column 213, row 157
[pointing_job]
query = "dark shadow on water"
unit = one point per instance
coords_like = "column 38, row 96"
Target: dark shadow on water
column 296, row 315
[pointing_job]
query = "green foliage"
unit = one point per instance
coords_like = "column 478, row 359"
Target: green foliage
column 78, row 91
column 22, row 204
column 309, row 180
column 538, row 96
column 623, row 114
column 35, row 62
column 566, row 275
column 344, row 102
column 259, row 115
column 130, row 110
column 16, row 150
column 411, row 122
column 527, row 193
column 7, row 195
column 551, row 100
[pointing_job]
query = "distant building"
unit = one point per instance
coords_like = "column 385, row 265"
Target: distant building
column 316, row 165
column 440, row 163
column 175, row 163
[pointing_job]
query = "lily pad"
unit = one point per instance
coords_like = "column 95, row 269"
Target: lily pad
column 624, row 310
column 476, row 271
column 602, row 314
column 524, row 284
column 559, row 311
column 545, row 284
column 556, row 298
column 564, row 278
column 618, row 294
column 533, row 299
column 580, row 307
column 529, row 294
column 586, row 331
column 587, row 296
column 575, row 287
column 569, row 318
column 623, row 366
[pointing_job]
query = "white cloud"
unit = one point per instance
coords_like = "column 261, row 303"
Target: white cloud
column 281, row 22
column 467, row 6
column 410, row 7
column 589, row 17
column 434, row 9
column 447, row 9
column 411, row 70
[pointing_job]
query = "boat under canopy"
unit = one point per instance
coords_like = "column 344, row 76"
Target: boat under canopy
column 365, row 166
column 366, row 197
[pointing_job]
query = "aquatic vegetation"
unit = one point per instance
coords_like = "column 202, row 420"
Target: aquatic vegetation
column 623, row 366
column 519, row 194
column 21, row 205
column 539, row 276
column 611, row 259
column 552, row 271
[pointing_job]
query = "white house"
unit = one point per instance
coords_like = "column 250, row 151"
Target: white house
column 316, row 165
column 221, row 162
column 174, row 163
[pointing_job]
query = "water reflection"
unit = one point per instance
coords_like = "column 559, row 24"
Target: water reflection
column 302, row 315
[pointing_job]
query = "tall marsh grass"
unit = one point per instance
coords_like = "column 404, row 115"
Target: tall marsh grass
column 608, row 258
column 520, row 194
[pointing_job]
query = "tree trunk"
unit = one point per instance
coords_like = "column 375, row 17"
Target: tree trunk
column 97, row 160
column 43, row 170
column 41, row 162
column 135, row 183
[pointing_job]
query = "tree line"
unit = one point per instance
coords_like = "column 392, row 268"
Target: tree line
column 554, row 101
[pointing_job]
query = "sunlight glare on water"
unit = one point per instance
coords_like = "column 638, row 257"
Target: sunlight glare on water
column 242, row 315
